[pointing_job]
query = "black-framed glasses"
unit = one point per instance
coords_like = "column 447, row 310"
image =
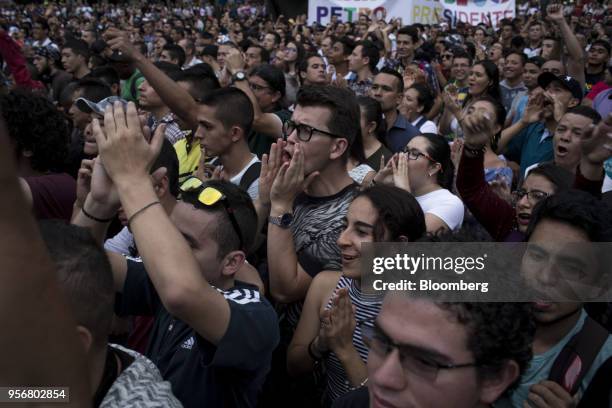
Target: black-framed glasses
column 256, row 88
column 210, row 196
column 412, row 359
column 414, row 154
column 304, row 132
column 534, row 196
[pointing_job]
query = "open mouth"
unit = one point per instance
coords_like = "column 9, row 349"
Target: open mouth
column 523, row 218
column 562, row 151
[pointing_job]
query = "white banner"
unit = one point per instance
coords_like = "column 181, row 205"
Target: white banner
column 321, row 11
column 472, row 12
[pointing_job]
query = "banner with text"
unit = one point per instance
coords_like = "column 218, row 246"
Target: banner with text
column 321, row 11
column 472, row 12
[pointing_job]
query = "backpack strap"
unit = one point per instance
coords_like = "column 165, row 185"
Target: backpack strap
column 421, row 122
column 250, row 176
column 577, row 356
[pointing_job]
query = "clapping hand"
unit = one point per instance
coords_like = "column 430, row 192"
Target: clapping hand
column 338, row 323
column 270, row 165
column 123, row 145
column 401, row 176
column 290, row 181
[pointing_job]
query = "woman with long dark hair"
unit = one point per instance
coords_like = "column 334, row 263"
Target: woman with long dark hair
column 328, row 330
column 483, row 80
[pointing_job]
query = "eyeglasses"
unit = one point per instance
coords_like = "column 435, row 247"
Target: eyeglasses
column 534, row 196
column 414, row 154
column 255, row 87
column 210, row 196
column 412, row 359
column 304, row 132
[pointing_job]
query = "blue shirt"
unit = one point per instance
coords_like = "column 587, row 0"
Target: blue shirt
column 533, row 145
column 541, row 364
column 400, row 133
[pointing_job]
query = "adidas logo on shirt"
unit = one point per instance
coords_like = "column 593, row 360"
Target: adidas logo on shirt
column 188, row 344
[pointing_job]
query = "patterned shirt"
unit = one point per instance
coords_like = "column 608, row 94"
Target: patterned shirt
column 173, row 132
column 361, row 88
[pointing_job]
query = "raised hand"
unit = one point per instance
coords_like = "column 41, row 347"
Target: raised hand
column 554, row 12
column 456, row 151
column 290, row 181
column 84, row 181
column 596, row 142
column 533, row 110
column 270, row 165
column 103, row 191
column 234, row 61
column 401, row 177
column 450, row 100
column 338, row 323
column 477, row 129
column 119, row 41
column 123, row 145
column 385, row 172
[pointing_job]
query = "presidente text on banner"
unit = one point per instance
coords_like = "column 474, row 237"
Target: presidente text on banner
column 414, row 11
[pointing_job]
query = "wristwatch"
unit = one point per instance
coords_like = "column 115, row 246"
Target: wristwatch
column 284, row 221
column 239, row 76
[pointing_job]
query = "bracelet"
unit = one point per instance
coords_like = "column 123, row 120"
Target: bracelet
column 474, row 151
column 129, row 223
column 100, row 220
column 361, row 384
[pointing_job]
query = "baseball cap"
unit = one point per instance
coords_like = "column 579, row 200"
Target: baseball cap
column 87, row 106
column 567, row 81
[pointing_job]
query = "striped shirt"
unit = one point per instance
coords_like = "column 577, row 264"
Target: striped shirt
column 366, row 309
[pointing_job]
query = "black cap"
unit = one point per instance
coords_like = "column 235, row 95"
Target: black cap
column 567, row 81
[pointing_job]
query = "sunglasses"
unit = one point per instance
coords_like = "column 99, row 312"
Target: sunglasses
column 210, row 196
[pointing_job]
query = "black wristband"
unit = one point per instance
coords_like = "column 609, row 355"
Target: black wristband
column 474, row 151
column 100, row 220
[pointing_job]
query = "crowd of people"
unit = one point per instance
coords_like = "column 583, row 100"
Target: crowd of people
column 187, row 188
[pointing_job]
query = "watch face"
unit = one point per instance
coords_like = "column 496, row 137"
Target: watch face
column 286, row 219
column 240, row 76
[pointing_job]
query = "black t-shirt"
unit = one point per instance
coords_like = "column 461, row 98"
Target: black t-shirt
column 230, row 374
column 592, row 79
column 260, row 143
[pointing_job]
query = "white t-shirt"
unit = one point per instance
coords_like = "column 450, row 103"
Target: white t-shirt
column 253, row 189
column 444, row 205
column 427, row 127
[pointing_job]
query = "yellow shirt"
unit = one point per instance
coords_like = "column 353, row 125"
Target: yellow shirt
column 188, row 160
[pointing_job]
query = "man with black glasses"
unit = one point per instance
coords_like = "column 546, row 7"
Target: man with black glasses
column 428, row 354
